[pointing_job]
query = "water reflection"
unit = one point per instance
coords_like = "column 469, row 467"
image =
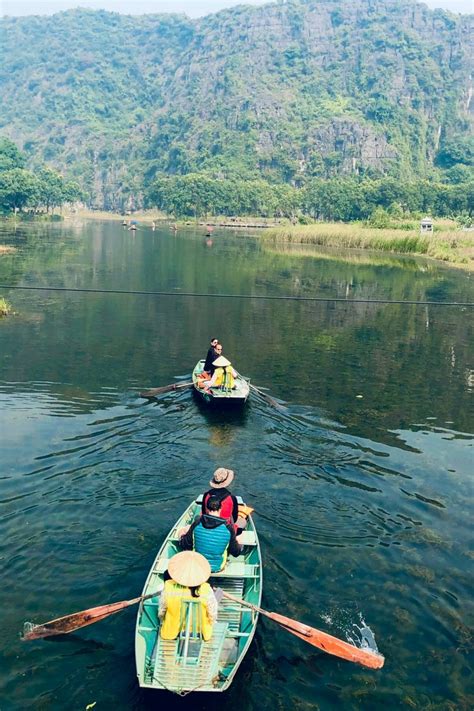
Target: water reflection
column 363, row 504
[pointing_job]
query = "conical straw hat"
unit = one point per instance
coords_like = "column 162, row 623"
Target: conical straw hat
column 221, row 362
column 189, row 568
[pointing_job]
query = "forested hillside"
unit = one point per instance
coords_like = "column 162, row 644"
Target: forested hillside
column 283, row 93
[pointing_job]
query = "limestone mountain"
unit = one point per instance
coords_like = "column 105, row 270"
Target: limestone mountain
column 285, row 92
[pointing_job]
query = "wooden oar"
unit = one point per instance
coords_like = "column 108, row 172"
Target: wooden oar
column 70, row 623
column 165, row 389
column 263, row 395
column 271, row 401
column 321, row 640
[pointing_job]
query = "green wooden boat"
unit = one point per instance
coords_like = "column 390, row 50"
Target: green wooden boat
column 187, row 663
column 235, row 396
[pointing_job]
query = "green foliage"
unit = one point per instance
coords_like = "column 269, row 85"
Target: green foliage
column 383, row 203
column 10, row 156
column 458, row 150
column 196, row 195
column 20, row 188
column 279, row 95
column 379, row 218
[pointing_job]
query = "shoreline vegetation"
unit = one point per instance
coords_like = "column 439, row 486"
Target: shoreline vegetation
column 448, row 243
column 5, row 307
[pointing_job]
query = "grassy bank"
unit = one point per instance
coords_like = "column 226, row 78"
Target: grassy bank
column 447, row 243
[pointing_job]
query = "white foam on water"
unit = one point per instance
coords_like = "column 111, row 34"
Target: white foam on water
column 361, row 635
column 357, row 633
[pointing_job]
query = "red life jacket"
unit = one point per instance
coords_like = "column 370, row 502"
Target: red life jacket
column 227, row 507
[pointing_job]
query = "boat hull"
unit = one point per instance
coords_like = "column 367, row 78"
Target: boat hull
column 159, row 664
column 218, row 396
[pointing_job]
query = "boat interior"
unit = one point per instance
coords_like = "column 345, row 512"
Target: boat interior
column 188, row 663
column 240, row 390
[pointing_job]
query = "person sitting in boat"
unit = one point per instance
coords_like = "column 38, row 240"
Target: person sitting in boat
column 221, row 479
column 211, row 356
column 212, row 536
column 224, row 375
column 188, row 574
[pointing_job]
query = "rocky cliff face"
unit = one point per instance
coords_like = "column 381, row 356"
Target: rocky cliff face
column 285, row 91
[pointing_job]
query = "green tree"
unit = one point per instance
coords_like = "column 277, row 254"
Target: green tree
column 10, row 156
column 19, row 188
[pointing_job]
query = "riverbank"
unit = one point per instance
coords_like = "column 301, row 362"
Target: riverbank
column 145, row 216
column 447, row 243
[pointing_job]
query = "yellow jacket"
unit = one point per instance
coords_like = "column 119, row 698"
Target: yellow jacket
column 224, row 377
column 174, row 620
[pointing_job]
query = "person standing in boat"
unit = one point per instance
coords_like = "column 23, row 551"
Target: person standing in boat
column 212, row 536
column 221, row 479
column 188, row 574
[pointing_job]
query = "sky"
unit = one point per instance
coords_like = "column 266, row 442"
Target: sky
column 193, row 8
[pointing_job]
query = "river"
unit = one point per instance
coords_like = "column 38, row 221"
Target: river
column 362, row 482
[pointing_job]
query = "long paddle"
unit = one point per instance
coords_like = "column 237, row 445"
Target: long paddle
column 263, row 395
column 70, row 623
column 165, row 389
column 271, row 401
column 321, row 640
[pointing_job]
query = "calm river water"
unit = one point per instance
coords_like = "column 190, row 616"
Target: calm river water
column 362, row 484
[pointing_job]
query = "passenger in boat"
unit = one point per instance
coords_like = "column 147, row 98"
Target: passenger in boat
column 212, row 536
column 188, row 574
column 211, row 356
column 224, row 374
column 221, row 479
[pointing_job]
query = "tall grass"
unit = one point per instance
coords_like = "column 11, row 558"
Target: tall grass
column 453, row 246
column 5, row 307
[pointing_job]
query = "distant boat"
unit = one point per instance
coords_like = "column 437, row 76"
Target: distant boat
column 188, row 663
column 230, row 396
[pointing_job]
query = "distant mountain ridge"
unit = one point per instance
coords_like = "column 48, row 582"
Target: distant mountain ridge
column 284, row 91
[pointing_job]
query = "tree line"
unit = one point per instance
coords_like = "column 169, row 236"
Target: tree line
column 339, row 198
column 22, row 189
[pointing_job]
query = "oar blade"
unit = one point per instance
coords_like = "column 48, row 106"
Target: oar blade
column 317, row 638
column 329, row 644
column 69, row 623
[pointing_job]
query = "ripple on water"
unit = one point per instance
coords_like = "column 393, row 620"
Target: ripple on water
column 83, row 514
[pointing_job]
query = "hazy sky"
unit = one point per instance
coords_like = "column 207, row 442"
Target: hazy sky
column 193, row 8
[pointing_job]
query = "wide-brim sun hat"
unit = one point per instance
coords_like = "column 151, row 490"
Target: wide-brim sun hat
column 189, row 568
column 221, row 362
column 222, row 477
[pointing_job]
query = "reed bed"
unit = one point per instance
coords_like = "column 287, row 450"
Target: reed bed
column 5, row 307
column 456, row 247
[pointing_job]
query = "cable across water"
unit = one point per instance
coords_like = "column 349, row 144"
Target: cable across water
column 137, row 292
